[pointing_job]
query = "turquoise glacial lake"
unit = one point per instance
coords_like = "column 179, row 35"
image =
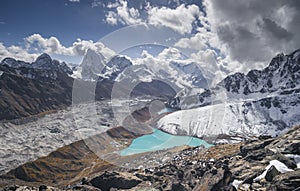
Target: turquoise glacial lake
column 159, row 140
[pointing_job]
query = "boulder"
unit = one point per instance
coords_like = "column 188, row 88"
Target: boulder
column 293, row 148
column 271, row 173
column 178, row 187
column 110, row 180
column 286, row 181
column 288, row 162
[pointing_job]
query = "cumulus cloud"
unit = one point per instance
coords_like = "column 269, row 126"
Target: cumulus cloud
column 252, row 32
column 16, row 52
column 159, row 64
column 180, row 19
column 36, row 44
column 170, row 53
column 198, row 41
column 162, row 60
column 74, row 1
column 122, row 14
column 79, row 48
column 48, row 45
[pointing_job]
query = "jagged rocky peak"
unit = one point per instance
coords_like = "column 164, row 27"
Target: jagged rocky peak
column 44, row 67
column 119, row 62
column 115, row 67
column 43, row 58
column 92, row 58
column 13, row 63
column 44, row 61
column 92, row 64
column 191, row 73
column 8, row 61
column 281, row 73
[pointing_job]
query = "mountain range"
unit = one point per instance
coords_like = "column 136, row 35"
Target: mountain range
column 28, row 89
column 261, row 102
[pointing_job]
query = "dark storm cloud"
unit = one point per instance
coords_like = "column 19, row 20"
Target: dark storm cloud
column 255, row 30
column 241, row 43
column 276, row 30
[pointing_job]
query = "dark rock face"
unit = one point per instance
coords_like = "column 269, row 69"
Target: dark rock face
column 113, row 180
column 285, row 160
column 294, row 148
column 177, row 187
column 214, row 180
column 286, row 181
column 271, row 173
column 282, row 72
column 21, row 96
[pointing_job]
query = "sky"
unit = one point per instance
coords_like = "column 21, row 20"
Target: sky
column 228, row 35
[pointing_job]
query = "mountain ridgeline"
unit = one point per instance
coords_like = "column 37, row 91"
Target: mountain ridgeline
column 28, row 89
column 260, row 102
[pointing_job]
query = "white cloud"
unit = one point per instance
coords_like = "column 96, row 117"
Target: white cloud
column 197, row 42
column 48, row 45
column 111, row 18
column 16, row 52
column 111, row 5
column 179, row 19
column 122, row 14
column 36, row 44
column 74, row 1
column 160, row 63
column 170, row 54
column 79, row 48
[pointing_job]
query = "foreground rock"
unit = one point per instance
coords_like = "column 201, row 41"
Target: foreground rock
column 115, row 180
column 223, row 167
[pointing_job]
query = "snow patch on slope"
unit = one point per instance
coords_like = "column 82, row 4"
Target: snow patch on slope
column 278, row 165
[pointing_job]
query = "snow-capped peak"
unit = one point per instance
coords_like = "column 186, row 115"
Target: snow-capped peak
column 42, row 67
column 92, row 65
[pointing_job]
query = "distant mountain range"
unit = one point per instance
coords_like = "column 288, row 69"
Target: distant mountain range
column 28, row 89
column 242, row 105
column 118, row 68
